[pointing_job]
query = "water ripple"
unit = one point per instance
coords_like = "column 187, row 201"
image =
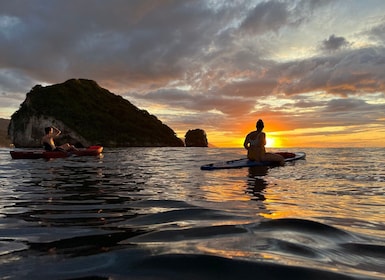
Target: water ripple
column 143, row 213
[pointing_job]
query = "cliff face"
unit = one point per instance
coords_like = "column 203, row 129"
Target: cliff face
column 4, row 140
column 30, row 132
column 86, row 114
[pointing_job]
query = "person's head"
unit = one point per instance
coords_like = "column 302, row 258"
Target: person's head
column 48, row 129
column 260, row 124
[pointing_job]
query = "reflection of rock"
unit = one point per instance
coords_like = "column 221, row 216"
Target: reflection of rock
column 86, row 114
column 196, row 138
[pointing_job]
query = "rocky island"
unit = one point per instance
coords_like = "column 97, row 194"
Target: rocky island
column 196, row 138
column 87, row 114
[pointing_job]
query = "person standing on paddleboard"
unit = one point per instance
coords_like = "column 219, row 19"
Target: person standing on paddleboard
column 255, row 143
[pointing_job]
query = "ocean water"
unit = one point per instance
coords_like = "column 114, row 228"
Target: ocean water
column 151, row 213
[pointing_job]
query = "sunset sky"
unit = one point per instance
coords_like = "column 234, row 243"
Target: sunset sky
column 314, row 71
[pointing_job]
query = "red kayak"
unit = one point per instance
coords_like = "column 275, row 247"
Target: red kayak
column 29, row 154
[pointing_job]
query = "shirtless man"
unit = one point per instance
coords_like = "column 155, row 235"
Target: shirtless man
column 49, row 143
column 255, row 143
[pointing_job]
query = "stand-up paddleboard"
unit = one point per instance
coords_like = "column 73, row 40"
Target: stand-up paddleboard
column 244, row 162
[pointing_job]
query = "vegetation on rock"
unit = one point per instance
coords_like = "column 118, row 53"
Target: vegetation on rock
column 95, row 114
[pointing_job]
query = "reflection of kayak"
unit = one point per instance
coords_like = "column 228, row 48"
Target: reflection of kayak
column 244, row 162
column 29, row 154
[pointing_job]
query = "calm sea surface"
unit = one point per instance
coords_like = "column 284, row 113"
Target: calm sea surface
column 151, row 213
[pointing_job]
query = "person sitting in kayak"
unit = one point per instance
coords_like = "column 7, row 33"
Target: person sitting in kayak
column 255, row 143
column 52, row 132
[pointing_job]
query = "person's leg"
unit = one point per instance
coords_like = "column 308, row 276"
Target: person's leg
column 252, row 154
column 65, row 147
column 274, row 157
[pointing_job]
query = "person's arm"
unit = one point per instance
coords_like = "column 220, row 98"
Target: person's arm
column 56, row 131
column 246, row 143
column 263, row 138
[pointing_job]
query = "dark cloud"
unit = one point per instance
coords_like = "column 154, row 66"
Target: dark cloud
column 14, row 81
column 353, row 72
column 266, row 16
column 139, row 39
column 346, row 105
column 274, row 15
column 377, row 33
column 200, row 102
column 334, row 43
column 350, row 112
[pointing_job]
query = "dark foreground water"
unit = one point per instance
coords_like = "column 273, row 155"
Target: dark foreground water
column 151, row 213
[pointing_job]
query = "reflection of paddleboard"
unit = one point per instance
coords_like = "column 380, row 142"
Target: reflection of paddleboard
column 244, row 162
